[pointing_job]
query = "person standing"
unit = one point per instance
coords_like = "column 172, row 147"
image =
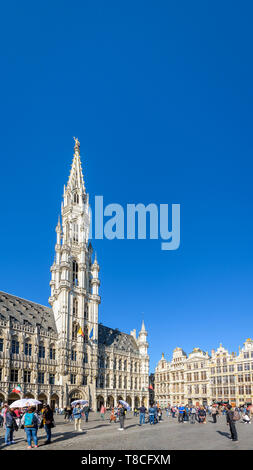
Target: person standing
column 214, row 413
column 202, row 415
column 31, row 421
column 181, row 411
column 142, row 411
column 121, row 417
column 77, row 413
column 192, row 415
column 9, row 424
column 48, row 421
column 86, row 412
column 151, row 414
column 231, row 423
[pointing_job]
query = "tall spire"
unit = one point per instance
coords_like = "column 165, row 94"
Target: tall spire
column 143, row 326
column 76, row 181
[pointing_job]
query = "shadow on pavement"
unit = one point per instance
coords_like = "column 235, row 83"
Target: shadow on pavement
column 225, row 434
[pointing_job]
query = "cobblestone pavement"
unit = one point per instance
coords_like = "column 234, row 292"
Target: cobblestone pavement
column 166, row 435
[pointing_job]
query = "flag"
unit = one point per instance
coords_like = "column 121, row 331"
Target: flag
column 17, row 389
column 80, row 332
column 91, row 333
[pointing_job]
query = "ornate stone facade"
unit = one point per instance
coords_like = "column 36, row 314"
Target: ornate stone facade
column 201, row 378
column 61, row 353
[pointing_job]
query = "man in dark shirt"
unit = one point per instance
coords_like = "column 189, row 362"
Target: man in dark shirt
column 231, row 423
column 142, row 411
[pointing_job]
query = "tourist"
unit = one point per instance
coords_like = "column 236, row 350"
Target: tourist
column 86, row 410
column 202, row 415
column 214, row 413
column 77, row 414
column 246, row 419
column 231, row 423
column 142, row 411
column 151, row 413
column 30, row 420
column 193, row 412
column 48, row 422
column 121, row 417
column 186, row 413
column 10, row 425
column 112, row 416
column 181, row 411
column 102, row 412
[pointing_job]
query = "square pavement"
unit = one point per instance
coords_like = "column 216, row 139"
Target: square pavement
column 168, row 434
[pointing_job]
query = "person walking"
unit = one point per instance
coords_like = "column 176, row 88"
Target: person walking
column 142, row 411
column 102, row 412
column 30, row 420
column 48, row 422
column 77, row 414
column 112, row 416
column 121, row 417
column 231, row 423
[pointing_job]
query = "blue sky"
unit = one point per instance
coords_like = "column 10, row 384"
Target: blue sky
column 160, row 97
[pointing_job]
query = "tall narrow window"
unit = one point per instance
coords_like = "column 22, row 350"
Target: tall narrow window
column 74, row 331
column 75, row 307
column 75, row 273
column 75, row 233
column 76, row 198
column 86, row 311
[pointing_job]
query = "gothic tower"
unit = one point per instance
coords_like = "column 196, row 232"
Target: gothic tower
column 74, row 286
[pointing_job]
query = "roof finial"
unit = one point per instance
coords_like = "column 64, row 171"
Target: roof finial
column 77, row 146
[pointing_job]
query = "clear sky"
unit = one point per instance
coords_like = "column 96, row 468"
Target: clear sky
column 160, row 96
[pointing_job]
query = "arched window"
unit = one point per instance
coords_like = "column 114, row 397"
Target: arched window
column 75, row 273
column 75, row 307
column 120, row 363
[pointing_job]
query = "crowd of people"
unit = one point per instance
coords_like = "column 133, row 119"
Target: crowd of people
column 31, row 418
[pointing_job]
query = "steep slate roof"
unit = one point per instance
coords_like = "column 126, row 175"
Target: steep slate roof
column 31, row 314
column 115, row 338
column 25, row 312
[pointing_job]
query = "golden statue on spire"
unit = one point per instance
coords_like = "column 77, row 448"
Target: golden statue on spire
column 77, row 145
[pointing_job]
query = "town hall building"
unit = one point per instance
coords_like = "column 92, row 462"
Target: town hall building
column 60, row 353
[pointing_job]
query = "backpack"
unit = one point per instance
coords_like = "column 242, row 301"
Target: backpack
column 9, row 420
column 29, row 420
column 236, row 416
